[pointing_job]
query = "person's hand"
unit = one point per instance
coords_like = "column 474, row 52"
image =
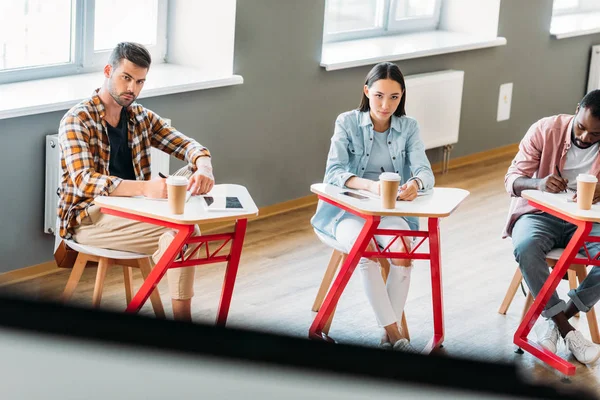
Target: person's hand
column 553, row 184
column 596, row 194
column 596, row 198
column 202, row 181
column 375, row 187
column 156, row 188
column 408, row 191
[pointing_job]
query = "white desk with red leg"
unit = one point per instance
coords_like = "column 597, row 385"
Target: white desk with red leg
column 440, row 203
column 557, row 205
column 157, row 212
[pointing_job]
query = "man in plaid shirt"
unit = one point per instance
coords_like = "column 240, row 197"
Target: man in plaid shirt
column 105, row 146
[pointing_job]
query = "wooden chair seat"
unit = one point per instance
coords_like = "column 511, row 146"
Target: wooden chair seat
column 106, row 258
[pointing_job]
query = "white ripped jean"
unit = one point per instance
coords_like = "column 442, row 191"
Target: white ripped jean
column 386, row 299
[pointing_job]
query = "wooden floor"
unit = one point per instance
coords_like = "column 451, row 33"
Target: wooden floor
column 283, row 263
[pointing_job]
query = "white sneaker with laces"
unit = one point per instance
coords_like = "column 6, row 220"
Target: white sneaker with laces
column 404, row 345
column 584, row 350
column 549, row 336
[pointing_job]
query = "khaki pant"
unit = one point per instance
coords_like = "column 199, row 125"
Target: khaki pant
column 116, row 233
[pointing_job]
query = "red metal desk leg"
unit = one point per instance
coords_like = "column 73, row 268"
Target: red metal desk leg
column 231, row 272
column 436, row 286
column 338, row 286
column 183, row 234
column 561, row 267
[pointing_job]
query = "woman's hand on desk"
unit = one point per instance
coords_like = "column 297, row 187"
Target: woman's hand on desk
column 408, row 191
column 375, row 188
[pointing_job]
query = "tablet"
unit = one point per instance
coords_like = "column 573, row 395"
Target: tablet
column 222, row 203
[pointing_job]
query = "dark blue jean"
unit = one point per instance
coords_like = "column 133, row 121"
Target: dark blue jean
column 533, row 236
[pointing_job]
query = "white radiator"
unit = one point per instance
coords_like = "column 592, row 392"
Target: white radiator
column 160, row 163
column 594, row 75
column 435, row 100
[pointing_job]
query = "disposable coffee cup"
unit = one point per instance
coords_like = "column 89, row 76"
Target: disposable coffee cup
column 389, row 182
column 176, row 191
column 586, row 186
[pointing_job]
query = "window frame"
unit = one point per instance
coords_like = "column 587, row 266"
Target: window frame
column 389, row 24
column 413, row 24
column 584, row 6
column 83, row 57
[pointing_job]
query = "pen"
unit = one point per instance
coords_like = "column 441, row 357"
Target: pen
column 382, row 170
column 559, row 174
column 161, row 175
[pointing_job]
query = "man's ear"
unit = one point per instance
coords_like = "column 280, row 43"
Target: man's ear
column 107, row 70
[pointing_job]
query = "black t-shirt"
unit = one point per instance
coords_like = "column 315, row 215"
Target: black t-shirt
column 121, row 162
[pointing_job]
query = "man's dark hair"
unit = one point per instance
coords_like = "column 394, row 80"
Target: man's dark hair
column 591, row 101
column 134, row 52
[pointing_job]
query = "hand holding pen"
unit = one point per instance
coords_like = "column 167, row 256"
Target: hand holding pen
column 554, row 183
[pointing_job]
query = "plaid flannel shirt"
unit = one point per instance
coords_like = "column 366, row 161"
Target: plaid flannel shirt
column 85, row 155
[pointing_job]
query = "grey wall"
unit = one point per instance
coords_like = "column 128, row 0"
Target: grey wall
column 272, row 133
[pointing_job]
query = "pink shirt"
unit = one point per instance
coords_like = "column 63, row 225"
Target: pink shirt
column 544, row 147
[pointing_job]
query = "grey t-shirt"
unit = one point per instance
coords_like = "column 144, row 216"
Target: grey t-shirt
column 379, row 157
column 579, row 161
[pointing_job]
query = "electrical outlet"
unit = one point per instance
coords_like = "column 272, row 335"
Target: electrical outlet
column 504, row 100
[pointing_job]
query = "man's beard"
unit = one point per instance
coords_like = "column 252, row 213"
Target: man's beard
column 121, row 102
column 117, row 97
column 579, row 143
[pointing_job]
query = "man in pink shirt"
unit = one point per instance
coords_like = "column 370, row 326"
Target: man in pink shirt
column 551, row 155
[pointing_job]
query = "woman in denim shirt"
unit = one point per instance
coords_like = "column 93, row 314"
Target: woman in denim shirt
column 377, row 136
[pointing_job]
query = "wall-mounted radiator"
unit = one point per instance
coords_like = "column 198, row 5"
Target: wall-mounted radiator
column 594, row 75
column 160, row 163
column 435, row 100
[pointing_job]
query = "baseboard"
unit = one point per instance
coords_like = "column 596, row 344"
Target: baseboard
column 27, row 273
column 504, row 151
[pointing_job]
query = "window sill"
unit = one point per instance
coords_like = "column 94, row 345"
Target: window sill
column 55, row 94
column 566, row 26
column 369, row 51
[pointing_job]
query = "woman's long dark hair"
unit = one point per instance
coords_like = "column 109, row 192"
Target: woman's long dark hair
column 384, row 70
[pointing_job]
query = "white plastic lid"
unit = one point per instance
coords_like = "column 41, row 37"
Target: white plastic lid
column 587, row 178
column 177, row 180
column 389, row 176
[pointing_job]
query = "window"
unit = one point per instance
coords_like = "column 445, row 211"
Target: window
column 354, row 19
column 365, row 32
column 47, row 38
column 565, row 7
column 574, row 18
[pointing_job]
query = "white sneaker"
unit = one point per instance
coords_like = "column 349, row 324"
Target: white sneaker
column 549, row 337
column 584, row 351
column 404, row 345
column 384, row 343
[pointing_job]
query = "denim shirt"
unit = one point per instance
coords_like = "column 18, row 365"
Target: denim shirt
column 349, row 154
